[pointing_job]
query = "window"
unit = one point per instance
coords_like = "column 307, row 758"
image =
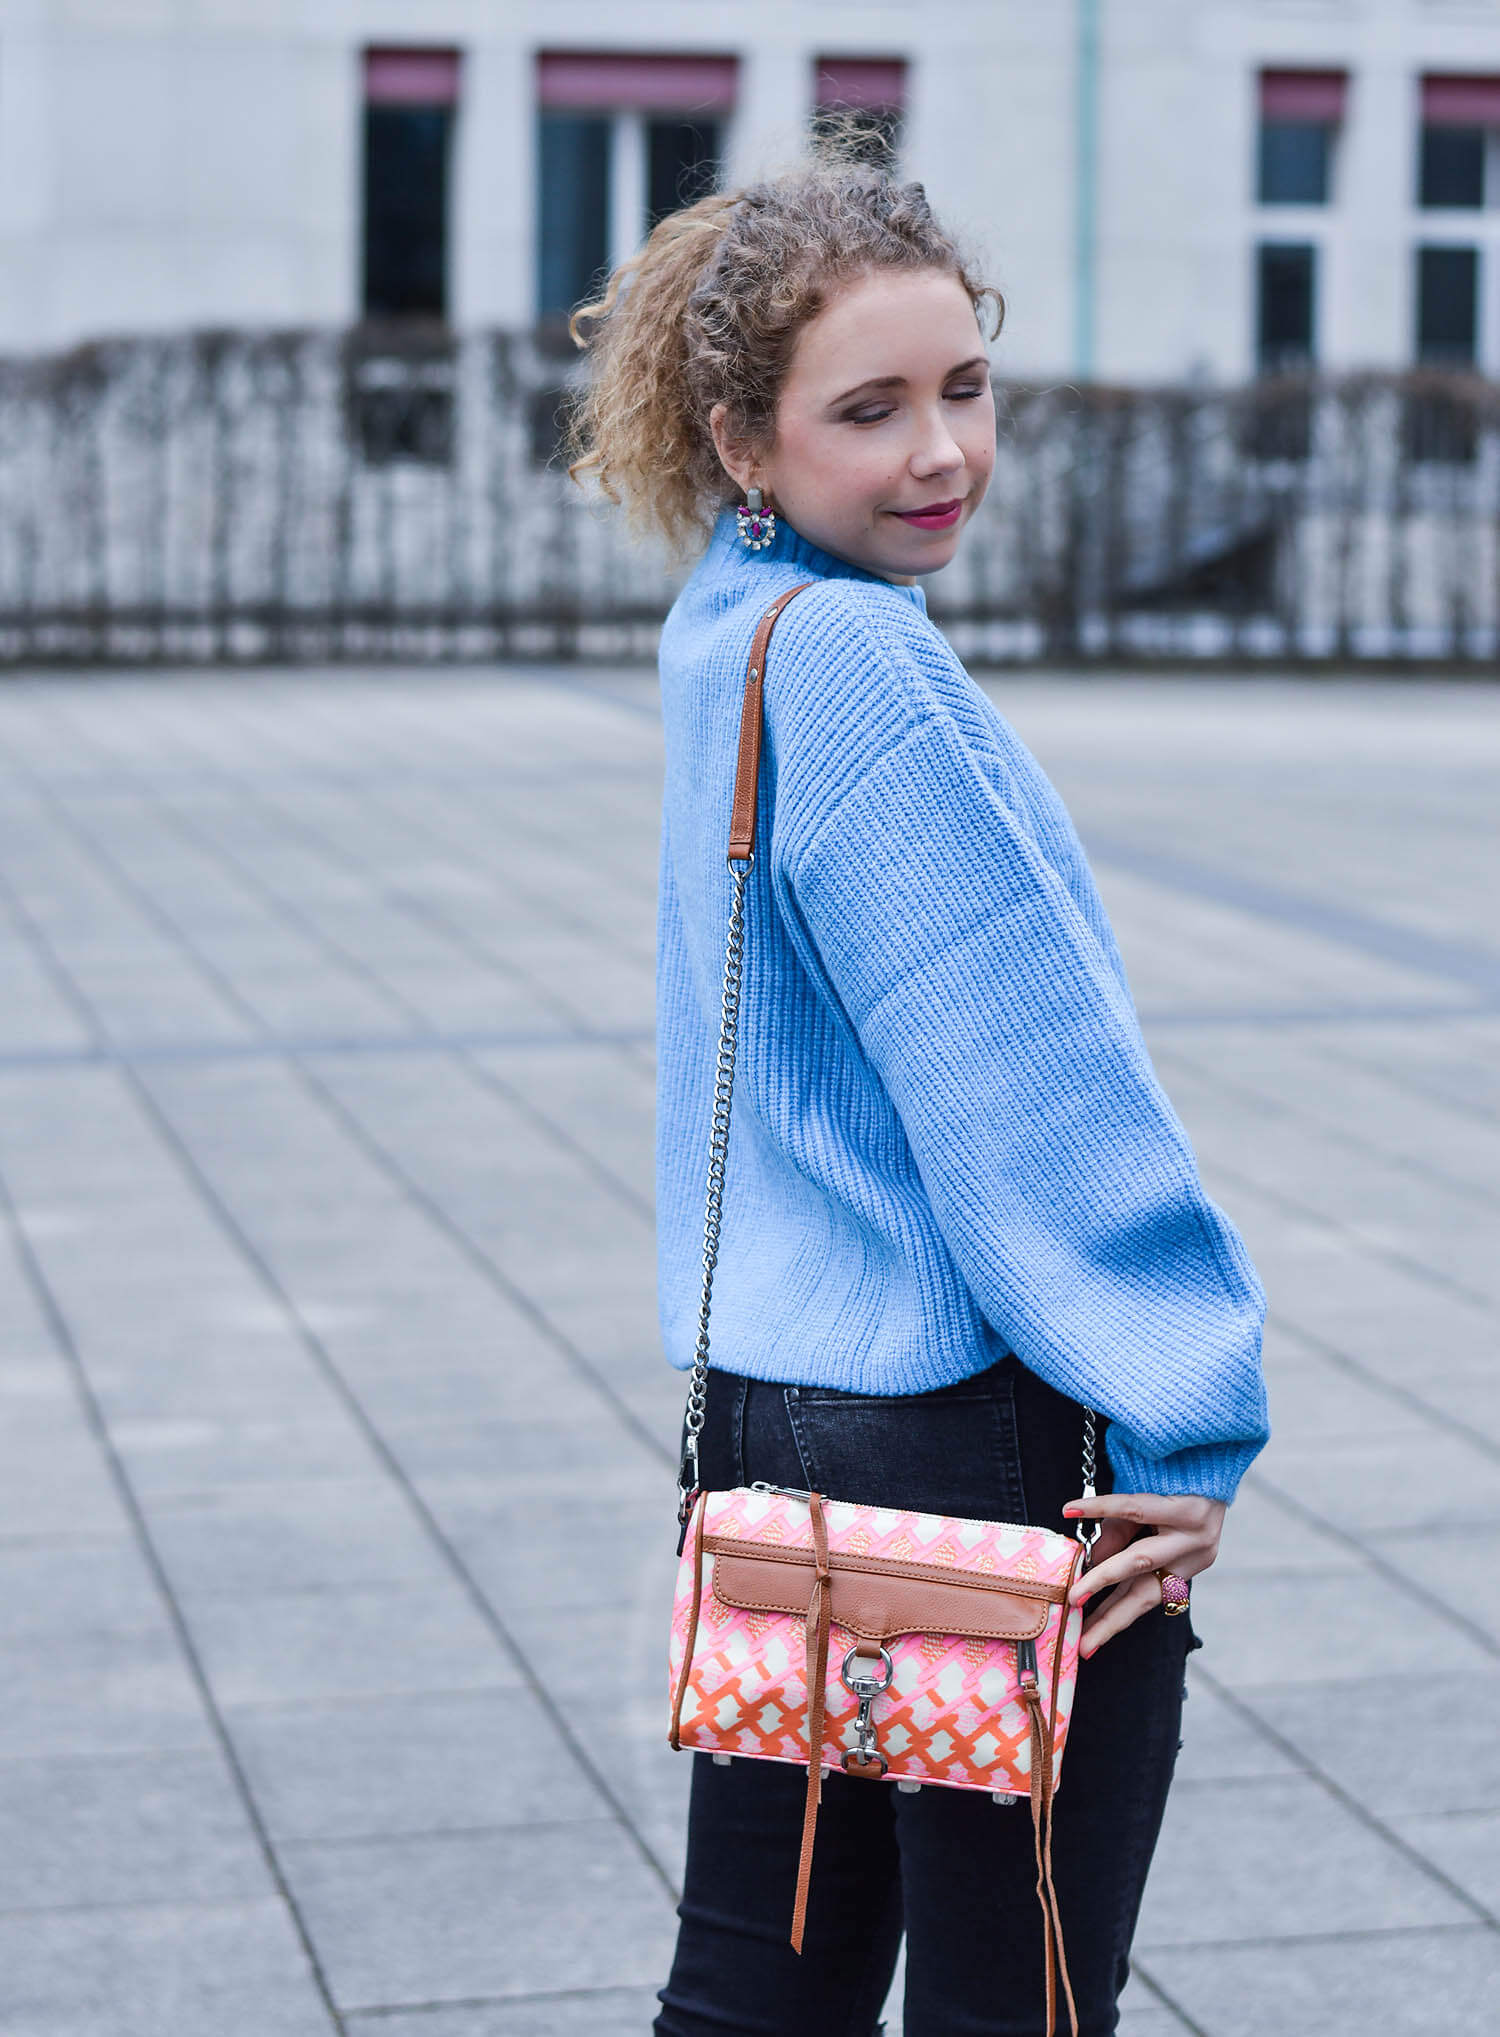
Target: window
column 573, row 208
column 1460, row 119
column 622, row 140
column 1447, row 307
column 682, row 164
column 1286, row 288
column 865, row 97
column 410, row 95
column 1300, row 114
column 1441, row 426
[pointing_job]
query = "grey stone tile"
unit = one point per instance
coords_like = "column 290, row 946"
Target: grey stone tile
column 1460, row 1567
column 454, row 1761
column 1355, row 1732
column 527, row 1911
column 60, row 1486
column 1466, row 1846
column 204, row 1454
column 97, row 1691
column 355, row 1643
column 1260, row 1534
column 1400, row 1984
column 1312, row 1398
column 233, row 1970
column 125, row 1828
column 1420, row 1482
column 522, row 1455
column 600, row 2012
column 1218, row 1745
column 305, row 1535
column 1278, row 1858
column 1152, row 2021
column 568, row 1644
column 566, row 1550
column 77, row 1586
column 1276, row 1629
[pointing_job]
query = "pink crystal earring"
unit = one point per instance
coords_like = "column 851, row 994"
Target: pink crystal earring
column 757, row 524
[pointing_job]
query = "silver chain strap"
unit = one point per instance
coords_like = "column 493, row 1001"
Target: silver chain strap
column 713, row 1214
column 718, row 1154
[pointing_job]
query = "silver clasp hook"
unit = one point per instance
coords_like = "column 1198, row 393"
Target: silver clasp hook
column 866, row 1686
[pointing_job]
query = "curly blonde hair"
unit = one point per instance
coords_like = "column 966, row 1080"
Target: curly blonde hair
column 709, row 312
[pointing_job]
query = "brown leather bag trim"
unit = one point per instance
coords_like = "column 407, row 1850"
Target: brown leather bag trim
column 877, row 1606
column 674, row 1732
column 888, row 1566
column 747, row 764
column 815, row 1644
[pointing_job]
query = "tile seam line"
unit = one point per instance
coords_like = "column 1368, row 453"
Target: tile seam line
column 416, row 1504
column 354, row 1842
column 1272, row 1102
column 1140, row 1971
column 1387, row 1389
column 333, row 852
column 1435, row 1099
column 334, row 1107
column 94, row 1417
column 336, row 952
column 437, row 1538
column 330, row 853
column 1395, row 1577
column 1358, row 1810
column 1282, row 1940
column 1386, row 940
column 377, row 2011
column 272, row 1046
column 421, row 914
column 1417, row 1269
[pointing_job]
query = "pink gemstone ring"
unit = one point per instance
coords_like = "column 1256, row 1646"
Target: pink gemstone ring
column 1175, row 1592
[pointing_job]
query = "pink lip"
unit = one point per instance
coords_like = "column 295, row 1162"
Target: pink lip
column 941, row 515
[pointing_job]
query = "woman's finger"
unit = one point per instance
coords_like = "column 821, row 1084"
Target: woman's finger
column 1121, row 1610
column 1148, row 1554
column 1149, row 1509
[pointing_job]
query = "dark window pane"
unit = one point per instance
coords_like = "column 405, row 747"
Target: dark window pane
column 1294, row 162
column 1447, row 306
column 682, row 164
column 1452, row 166
column 1284, row 338
column 573, row 209
column 406, row 211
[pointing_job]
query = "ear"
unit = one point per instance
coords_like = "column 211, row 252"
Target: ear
column 735, row 457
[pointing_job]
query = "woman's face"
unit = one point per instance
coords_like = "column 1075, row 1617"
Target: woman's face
column 885, row 433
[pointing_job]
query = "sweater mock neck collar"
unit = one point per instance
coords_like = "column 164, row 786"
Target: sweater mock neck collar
column 790, row 548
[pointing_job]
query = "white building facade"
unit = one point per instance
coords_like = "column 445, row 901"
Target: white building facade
column 1163, row 189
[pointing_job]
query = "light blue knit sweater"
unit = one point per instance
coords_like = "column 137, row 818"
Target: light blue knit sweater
column 948, row 1141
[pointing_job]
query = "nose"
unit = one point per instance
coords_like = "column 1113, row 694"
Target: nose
column 938, row 452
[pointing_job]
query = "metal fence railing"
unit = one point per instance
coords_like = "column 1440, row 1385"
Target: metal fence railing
column 396, row 494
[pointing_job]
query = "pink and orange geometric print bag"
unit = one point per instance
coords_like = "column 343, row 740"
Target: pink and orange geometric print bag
column 920, row 1650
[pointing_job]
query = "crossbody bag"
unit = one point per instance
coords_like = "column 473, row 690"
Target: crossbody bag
column 920, row 1650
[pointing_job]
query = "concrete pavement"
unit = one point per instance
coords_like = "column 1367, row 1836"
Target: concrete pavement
column 335, row 1446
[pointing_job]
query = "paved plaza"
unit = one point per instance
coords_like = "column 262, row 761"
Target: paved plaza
column 335, row 1443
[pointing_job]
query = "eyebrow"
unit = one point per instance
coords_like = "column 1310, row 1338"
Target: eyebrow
column 899, row 381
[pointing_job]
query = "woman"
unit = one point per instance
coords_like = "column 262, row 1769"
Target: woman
column 960, row 1208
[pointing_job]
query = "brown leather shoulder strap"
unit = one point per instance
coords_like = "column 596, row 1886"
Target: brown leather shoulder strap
column 747, row 770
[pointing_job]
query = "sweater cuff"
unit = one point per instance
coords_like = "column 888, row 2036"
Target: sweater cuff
column 1209, row 1471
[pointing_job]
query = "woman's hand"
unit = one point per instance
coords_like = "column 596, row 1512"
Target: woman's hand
column 1143, row 1533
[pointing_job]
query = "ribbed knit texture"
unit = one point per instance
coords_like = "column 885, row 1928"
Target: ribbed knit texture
column 948, row 1140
